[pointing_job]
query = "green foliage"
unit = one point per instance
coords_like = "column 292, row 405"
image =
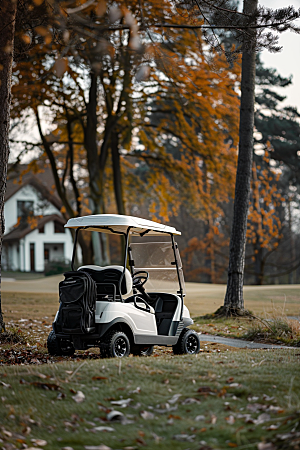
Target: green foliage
column 57, row 267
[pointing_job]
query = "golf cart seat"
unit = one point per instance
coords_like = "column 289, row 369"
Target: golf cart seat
column 108, row 280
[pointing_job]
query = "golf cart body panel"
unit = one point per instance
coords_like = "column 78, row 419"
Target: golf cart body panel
column 99, row 308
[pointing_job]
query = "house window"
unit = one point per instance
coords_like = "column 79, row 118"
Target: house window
column 24, row 209
column 42, row 229
column 46, row 255
column 58, row 227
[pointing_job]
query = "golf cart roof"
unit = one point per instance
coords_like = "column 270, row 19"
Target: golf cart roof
column 115, row 223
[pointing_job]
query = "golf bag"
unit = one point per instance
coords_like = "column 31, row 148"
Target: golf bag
column 77, row 296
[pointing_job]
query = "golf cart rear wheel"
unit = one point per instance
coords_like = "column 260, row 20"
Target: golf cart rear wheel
column 142, row 350
column 117, row 345
column 188, row 343
column 56, row 347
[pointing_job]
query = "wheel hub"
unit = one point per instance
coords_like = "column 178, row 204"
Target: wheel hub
column 120, row 347
column 192, row 344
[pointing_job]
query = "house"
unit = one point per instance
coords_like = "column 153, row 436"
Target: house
column 34, row 227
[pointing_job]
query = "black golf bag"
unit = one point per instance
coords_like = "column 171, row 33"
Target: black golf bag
column 77, row 296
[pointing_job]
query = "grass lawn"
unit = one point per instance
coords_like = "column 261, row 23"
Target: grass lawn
column 224, row 400
column 219, row 399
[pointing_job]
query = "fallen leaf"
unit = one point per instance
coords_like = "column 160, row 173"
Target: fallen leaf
column 40, row 442
column 141, row 441
column 97, row 447
column 147, row 415
column 103, row 429
column 174, row 398
column 204, row 390
column 123, row 403
column 230, row 419
column 184, row 437
column 213, row 419
column 41, row 375
column 254, row 407
column 99, row 378
column 262, row 418
column 266, row 446
column 79, row 397
column 114, row 416
column 26, row 431
column 189, row 401
column 199, row 418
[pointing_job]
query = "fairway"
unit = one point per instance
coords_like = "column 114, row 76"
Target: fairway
column 39, row 298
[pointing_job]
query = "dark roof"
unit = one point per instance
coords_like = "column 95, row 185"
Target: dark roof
column 41, row 179
column 22, row 229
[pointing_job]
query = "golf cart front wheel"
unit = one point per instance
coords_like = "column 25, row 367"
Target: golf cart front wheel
column 188, row 343
column 117, row 345
column 142, row 350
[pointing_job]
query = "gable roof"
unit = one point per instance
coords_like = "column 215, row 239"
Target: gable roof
column 23, row 229
column 42, row 181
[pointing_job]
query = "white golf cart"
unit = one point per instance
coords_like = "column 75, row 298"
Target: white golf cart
column 99, row 308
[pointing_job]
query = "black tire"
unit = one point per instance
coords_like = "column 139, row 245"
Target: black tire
column 117, row 345
column 67, row 347
column 188, row 343
column 53, row 345
column 142, row 350
column 56, row 347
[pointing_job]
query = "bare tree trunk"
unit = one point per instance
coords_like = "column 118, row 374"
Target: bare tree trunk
column 234, row 301
column 291, row 236
column 96, row 171
column 118, row 185
column 8, row 10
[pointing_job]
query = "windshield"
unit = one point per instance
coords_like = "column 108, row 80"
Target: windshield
column 157, row 258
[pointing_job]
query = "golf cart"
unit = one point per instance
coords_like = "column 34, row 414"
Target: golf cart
column 125, row 310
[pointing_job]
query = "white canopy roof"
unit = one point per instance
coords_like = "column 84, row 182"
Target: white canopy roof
column 114, row 223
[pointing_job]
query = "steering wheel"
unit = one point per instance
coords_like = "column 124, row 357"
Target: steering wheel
column 139, row 278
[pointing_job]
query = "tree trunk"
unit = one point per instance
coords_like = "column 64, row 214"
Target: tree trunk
column 8, row 10
column 118, row 186
column 291, row 236
column 100, row 240
column 234, row 301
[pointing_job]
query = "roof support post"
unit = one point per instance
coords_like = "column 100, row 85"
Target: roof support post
column 74, row 248
column 174, row 245
column 125, row 261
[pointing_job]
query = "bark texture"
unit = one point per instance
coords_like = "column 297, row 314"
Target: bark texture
column 234, row 301
column 8, row 9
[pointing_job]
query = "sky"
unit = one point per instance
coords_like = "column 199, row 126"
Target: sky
column 287, row 62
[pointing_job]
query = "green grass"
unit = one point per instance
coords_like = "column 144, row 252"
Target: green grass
column 274, row 327
column 222, row 387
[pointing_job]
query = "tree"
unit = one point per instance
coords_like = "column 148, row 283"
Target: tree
column 181, row 166
column 251, row 37
column 70, row 20
column 8, row 10
column 265, row 228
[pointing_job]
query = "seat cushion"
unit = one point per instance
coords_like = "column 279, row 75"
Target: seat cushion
column 110, row 274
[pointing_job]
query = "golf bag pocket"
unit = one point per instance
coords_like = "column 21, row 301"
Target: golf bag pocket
column 71, row 319
column 77, row 296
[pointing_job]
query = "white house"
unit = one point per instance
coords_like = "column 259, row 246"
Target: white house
column 34, row 226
